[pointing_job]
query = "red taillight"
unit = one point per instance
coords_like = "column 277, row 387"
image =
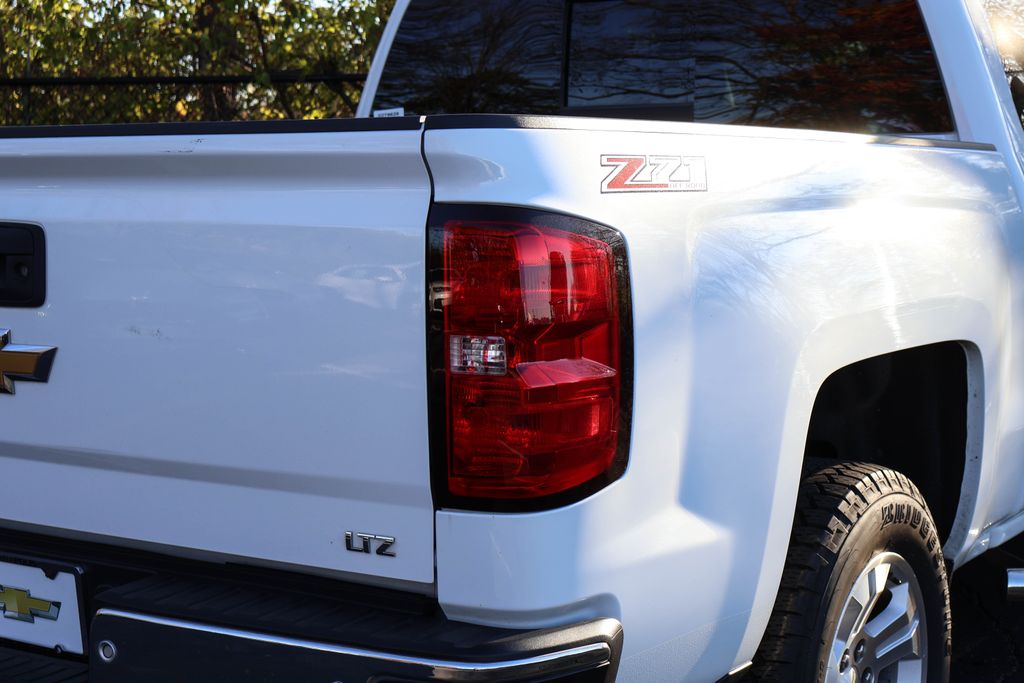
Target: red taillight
column 533, row 359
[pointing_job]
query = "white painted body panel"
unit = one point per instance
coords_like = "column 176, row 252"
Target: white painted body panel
column 241, row 367
column 809, row 252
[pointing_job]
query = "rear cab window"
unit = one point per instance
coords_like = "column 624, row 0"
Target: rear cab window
column 864, row 66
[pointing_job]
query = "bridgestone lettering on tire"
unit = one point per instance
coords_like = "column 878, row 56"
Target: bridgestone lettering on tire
column 862, row 533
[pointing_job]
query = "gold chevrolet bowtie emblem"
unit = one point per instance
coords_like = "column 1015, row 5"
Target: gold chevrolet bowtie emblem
column 18, row 604
column 30, row 363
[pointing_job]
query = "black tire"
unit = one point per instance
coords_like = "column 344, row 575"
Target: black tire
column 848, row 513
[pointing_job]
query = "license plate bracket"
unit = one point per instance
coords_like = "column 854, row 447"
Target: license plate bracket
column 41, row 604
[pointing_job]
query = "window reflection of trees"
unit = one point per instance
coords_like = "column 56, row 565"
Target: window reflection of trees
column 629, row 53
column 847, row 64
column 468, row 56
column 860, row 65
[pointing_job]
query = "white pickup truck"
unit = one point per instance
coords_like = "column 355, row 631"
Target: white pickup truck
column 636, row 340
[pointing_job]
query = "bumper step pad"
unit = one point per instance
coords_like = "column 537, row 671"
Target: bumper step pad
column 28, row 667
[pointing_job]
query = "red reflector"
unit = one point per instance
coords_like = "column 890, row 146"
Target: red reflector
column 533, row 370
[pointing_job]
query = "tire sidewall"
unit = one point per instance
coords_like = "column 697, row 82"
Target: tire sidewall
column 896, row 523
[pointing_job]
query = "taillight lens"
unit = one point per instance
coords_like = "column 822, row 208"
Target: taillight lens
column 530, row 309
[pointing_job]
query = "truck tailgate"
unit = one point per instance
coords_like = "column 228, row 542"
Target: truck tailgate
column 240, row 329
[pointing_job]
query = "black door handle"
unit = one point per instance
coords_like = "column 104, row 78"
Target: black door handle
column 22, row 265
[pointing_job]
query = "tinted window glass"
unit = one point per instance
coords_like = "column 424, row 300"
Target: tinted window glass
column 1006, row 18
column 855, row 65
column 465, row 56
column 625, row 54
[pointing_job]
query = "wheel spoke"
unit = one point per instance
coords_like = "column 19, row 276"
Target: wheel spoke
column 832, row 674
column 875, row 580
column 909, row 671
column 895, row 631
column 900, row 613
column 880, row 627
column 905, row 646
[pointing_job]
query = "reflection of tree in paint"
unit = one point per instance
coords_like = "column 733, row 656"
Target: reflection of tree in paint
column 863, row 65
column 1006, row 18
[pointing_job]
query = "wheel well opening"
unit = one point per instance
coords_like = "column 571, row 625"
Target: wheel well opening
column 906, row 410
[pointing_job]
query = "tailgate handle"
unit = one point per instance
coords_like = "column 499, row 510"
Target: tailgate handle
column 22, row 265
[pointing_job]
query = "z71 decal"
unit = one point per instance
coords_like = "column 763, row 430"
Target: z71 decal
column 654, row 173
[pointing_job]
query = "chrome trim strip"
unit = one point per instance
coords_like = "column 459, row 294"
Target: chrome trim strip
column 741, row 668
column 571, row 660
column 1015, row 584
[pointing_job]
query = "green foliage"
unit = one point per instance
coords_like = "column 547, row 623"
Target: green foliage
column 119, row 38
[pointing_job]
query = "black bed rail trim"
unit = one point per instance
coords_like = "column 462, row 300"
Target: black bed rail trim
column 437, row 122
column 529, row 121
column 291, row 77
column 351, row 125
column 933, row 142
